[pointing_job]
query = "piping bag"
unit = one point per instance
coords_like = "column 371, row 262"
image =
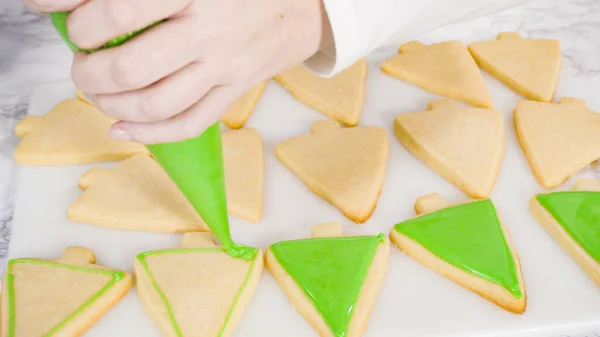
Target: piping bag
column 195, row 165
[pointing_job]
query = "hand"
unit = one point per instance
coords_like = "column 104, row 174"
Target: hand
column 174, row 80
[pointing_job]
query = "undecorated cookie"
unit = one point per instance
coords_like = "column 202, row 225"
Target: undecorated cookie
column 242, row 108
column 445, row 69
column 463, row 145
column 340, row 97
column 136, row 194
column 528, row 66
column 197, row 290
column 62, row 297
column 557, row 139
column 468, row 244
column 244, row 160
column 73, row 132
column 331, row 279
column 572, row 218
column 346, row 167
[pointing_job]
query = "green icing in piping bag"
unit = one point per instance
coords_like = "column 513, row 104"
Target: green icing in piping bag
column 195, row 165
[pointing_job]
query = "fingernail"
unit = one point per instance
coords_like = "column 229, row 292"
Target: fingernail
column 119, row 134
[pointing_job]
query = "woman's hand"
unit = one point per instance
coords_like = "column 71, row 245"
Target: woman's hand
column 174, row 80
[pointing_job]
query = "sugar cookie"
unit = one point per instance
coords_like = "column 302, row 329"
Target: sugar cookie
column 197, row 290
column 137, row 195
column 242, row 108
column 244, row 161
column 340, row 97
column 445, row 69
column 528, row 66
column 557, row 139
column 468, row 244
column 343, row 166
column 73, row 132
column 571, row 217
column 463, row 145
column 62, row 297
column 331, row 279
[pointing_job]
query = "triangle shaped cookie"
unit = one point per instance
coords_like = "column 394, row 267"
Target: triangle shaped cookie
column 463, row 145
column 340, row 97
column 343, row 166
column 137, row 195
column 557, row 139
column 332, row 280
column 528, row 66
column 468, row 244
column 445, row 69
column 244, row 159
column 197, row 290
column 61, row 297
column 242, row 108
column 73, row 132
column 573, row 219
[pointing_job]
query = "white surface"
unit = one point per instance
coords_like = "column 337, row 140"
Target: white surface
column 413, row 301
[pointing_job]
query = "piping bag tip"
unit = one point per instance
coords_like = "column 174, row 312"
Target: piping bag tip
column 195, row 165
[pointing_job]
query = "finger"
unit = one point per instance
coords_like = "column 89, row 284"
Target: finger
column 98, row 21
column 187, row 124
column 149, row 57
column 161, row 100
column 50, row 6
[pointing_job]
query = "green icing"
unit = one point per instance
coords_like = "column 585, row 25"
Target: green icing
column 578, row 212
column 195, row 165
column 142, row 258
column 59, row 20
column 469, row 237
column 330, row 272
column 117, row 275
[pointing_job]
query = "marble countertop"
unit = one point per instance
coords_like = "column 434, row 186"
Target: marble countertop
column 31, row 53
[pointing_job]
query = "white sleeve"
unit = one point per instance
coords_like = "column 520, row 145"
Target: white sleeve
column 360, row 26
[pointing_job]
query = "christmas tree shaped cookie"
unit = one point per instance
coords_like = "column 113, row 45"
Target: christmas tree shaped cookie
column 528, row 66
column 137, row 195
column 464, row 145
column 468, row 244
column 557, row 139
column 340, row 97
column 332, row 280
column 343, row 166
column 73, row 132
column 243, row 155
column 63, row 297
column 445, row 69
column 573, row 219
column 197, row 290
column 242, row 108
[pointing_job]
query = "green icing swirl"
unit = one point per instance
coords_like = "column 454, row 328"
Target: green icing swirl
column 117, row 275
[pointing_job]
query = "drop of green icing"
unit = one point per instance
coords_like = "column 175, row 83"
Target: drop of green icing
column 195, row 165
column 330, row 272
column 578, row 212
column 469, row 237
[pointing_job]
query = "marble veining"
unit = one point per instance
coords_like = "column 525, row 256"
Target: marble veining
column 31, row 53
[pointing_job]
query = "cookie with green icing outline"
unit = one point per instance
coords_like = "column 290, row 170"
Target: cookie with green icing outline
column 573, row 220
column 197, row 290
column 62, row 297
column 331, row 279
column 468, row 244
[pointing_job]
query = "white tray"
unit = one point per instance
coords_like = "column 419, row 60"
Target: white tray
column 413, row 301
